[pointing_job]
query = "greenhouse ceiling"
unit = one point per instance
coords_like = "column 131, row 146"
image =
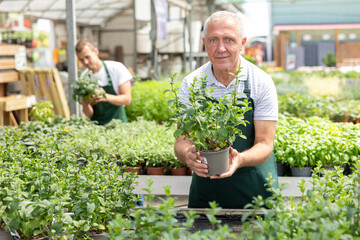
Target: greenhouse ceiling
column 89, row 12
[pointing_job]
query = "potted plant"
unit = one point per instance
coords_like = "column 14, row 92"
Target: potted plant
column 177, row 168
column 84, row 87
column 129, row 160
column 210, row 123
column 155, row 164
column 300, row 166
column 340, row 115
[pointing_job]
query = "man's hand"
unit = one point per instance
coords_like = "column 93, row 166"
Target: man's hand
column 194, row 162
column 234, row 164
column 99, row 96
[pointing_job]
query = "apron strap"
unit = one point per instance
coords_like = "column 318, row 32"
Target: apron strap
column 107, row 74
column 246, row 83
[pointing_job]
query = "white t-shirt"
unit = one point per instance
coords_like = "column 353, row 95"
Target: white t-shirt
column 118, row 73
column 262, row 88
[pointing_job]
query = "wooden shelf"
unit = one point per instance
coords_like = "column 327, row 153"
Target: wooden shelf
column 18, row 103
column 10, row 49
column 9, row 76
column 7, row 63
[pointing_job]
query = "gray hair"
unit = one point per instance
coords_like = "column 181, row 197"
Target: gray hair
column 221, row 15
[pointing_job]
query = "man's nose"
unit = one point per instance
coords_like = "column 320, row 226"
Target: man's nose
column 221, row 46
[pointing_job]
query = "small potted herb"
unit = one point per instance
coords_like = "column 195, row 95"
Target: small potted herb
column 85, row 87
column 211, row 124
column 177, row 167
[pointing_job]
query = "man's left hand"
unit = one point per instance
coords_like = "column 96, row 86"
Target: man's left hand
column 99, row 96
column 234, row 163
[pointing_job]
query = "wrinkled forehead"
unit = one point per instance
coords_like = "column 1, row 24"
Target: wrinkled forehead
column 232, row 24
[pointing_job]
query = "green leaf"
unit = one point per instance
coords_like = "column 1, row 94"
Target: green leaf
column 58, row 227
column 170, row 102
column 90, row 207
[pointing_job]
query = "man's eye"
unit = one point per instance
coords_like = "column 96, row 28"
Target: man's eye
column 229, row 40
column 212, row 40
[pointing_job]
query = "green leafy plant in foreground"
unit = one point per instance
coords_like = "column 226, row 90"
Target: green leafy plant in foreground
column 43, row 111
column 160, row 222
column 211, row 124
column 330, row 209
column 85, row 87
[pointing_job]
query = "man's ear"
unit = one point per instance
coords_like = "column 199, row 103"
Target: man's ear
column 243, row 41
column 96, row 51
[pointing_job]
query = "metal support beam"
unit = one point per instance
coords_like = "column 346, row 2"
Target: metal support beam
column 72, row 63
column 135, row 39
column 211, row 6
column 190, row 36
column 185, row 22
column 154, row 52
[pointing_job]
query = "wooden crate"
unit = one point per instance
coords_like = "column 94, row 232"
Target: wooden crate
column 7, row 63
column 12, row 58
column 45, row 84
column 58, row 95
column 15, row 103
column 10, row 49
column 9, row 76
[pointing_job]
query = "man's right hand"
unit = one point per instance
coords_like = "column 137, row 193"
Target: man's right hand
column 195, row 162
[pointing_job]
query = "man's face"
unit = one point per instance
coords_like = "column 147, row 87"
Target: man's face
column 223, row 45
column 89, row 58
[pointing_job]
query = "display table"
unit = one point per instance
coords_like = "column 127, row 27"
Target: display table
column 179, row 185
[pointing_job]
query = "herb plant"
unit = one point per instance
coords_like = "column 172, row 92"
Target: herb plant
column 330, row 210
column 43, row 111
column 85, row 87
column 160, row 222
column 211, row 124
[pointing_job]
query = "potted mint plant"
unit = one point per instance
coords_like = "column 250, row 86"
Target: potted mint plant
column 84, row 87
column 211, row 124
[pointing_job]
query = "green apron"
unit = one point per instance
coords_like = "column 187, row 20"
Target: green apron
column 104, row 112
column 245, row 184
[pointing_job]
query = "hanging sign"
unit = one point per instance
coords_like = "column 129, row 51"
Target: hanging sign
column 161, row 18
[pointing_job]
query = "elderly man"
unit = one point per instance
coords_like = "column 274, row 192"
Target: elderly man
column 251, row 159
column 113, row 77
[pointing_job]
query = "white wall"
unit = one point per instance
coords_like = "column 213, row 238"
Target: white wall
column 123, row 36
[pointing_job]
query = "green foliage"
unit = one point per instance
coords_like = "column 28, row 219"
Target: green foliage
column 160, row 222
column 250, row 59
column 211, row 124
column 351, row 88
column 304, row 106
column 175, row 163
column 43, row 111
column 85, row 87
column 130, row 144
column 330, row 210
column 345, row 86
column 304, row 143
column 329, row 60
column 49, row 189
column 149, row 101
column 289, row 83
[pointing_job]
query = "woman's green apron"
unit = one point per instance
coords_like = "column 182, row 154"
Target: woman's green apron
column 245, row 184
column 104, row 112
